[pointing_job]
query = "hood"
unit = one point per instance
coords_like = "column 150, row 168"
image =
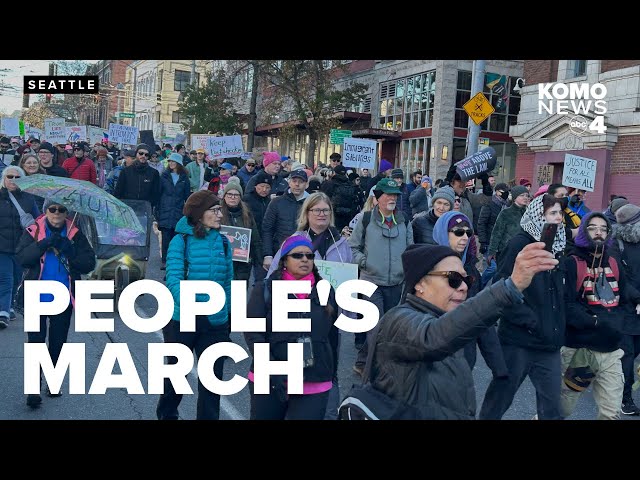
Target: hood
column 441, row 231
column 583, row 240
column 628, row 233
column 533, row 220
column 183, row 226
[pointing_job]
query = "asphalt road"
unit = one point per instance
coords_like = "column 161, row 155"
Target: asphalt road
column 117, row 404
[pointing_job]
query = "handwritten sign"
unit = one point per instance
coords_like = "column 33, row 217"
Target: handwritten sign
column 77, row 133
column 123, row 134
column 337, row 273
column 96, row 134
column 172, row 129
column 239, row 240
column 480, row 162
column 55, row 131
column 359, row 153
column 544, row 174
column 579, row 172
column 33, row 132
column 200, row 141
column 10, row 126
column 225, row 147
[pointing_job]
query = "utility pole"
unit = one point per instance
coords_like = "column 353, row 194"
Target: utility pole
column 119, row 87
column 477, row 85
column 133, row 105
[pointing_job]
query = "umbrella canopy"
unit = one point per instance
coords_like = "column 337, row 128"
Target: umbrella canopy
column 81, row 197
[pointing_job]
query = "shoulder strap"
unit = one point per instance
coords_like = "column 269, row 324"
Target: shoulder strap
column 581, row 269
column 77, row 166
column 620, row 246
column 225, row 245
column 186, row 261
column 366, row 218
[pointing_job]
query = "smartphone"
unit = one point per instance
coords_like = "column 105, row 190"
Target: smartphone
column 549, row 231
column 307, row 351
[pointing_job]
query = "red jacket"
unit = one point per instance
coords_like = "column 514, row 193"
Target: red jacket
column 86, row 170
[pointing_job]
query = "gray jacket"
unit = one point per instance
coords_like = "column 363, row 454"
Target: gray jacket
column 419, row 355
column 383, row 267
column 420, row 200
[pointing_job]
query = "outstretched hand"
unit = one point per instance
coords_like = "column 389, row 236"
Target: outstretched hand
column 531, row 260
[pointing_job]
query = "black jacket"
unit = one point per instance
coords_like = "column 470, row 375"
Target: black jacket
column 324, row 334
column 538, row 323
column 488, row 216
column 10, row 228
column 592, row 326
column 423, row 228
column 138, row 182
column 280, row 221
column 242, row 270
column 55, row 170
column 278, row 187
column 172, row 198
column 629, row 235
column 419, row 355
column 258, row 206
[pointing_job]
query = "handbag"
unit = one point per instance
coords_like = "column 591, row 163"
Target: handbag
column 26, row 219
column 365, row 402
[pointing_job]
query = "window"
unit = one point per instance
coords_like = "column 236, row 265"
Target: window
column 577, row 68
column 177, row 118
column 407, row 103
column 160, row 72
column 499, row 91
column 415, row 155
column 181, row 80
column 158, row 116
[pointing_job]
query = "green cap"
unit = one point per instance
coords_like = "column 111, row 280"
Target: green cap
column 388, row 185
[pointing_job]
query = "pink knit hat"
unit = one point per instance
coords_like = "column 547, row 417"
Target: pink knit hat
column 541, row 191
column 270, row 157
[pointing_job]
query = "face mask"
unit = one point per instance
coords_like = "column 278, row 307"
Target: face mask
column 564, row 202
column 575, row 199
column 504, row 195
column 225, row 178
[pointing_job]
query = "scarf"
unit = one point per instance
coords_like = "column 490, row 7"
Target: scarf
column 311, row 277
column 533, row 220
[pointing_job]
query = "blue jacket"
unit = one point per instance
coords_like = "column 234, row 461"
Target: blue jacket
column 245, row 175
column 208, row 259
column 172, row 198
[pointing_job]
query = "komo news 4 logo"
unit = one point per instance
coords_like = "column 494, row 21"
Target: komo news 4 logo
column 68, row 84
column 574, row 99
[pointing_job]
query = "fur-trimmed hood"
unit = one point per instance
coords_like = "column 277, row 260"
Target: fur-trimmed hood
column 628, row 233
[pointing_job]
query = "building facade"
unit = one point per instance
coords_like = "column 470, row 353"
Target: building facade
column 106, row 104
column 544, row 139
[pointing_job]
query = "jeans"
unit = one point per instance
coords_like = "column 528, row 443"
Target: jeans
column 167, row 235
column 10, row 279
column 296, row 407
column 205, row 335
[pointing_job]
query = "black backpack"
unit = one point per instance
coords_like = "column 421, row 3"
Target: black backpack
column 344, row 199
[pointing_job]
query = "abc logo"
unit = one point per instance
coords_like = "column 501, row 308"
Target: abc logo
column 578, row 125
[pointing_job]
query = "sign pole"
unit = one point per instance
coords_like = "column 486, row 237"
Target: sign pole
column 477, row 84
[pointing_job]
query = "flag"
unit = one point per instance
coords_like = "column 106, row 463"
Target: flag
column 498, row 85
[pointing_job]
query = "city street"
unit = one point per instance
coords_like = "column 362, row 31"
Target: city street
column 116, row 404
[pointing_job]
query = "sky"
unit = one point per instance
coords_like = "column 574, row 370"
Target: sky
column 11, row 80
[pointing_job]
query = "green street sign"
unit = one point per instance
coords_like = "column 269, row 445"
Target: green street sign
column 337, row 136
column 126, row 115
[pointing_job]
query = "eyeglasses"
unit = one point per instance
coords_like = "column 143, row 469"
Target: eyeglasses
column 320, row 211
column 457, row 200
column 216, row 210
column 458, row 232
column 251, row 164
column 78, row 149
column 146, row 154
column 455, row 278
column 299, row 256
column 11, row 177
column 593, row 228
column 57, row 209
column 232, row 195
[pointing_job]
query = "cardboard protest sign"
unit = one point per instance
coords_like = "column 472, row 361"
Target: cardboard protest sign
column 337, row 273
column 480, row 162
column 579, row 172
column 55, row 131
column 240, row 242
column 123, row 134
column 225, row 147
column 76, row 133
column 359, row 153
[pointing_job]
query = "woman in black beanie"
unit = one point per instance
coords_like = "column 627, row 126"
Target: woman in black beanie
column 418, row 357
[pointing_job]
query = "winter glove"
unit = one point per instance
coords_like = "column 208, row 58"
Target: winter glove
column 47, row 242
column 450, row 174
column 66, row 247
column 483, row 249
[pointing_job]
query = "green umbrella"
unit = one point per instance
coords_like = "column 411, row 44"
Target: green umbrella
column 82, row 197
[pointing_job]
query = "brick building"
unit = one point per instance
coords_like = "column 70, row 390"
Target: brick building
column 545, row 139
column 110, row 73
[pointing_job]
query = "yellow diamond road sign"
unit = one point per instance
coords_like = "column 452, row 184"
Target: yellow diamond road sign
column 478, row 108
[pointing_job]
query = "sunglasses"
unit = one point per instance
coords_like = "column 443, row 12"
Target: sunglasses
column 76, row 149
column 458, row 232
column 251, row 164
column 299, row 256
column 11, row 177
column 455, row 279
column 146, row 154
column 57, row 209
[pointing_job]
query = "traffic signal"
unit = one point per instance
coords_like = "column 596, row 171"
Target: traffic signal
column 48, row 97
column 159, row 97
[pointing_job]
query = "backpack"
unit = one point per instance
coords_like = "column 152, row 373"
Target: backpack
column 366, row 219
column 344, row 199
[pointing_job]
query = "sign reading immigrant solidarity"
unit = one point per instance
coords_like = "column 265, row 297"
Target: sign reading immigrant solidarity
column 225, row 147
column 123, row 134
column 474, row 165
column 337, row 273
column 359, row 153
column 54, row 130
column 579, row 172
column 240, row 241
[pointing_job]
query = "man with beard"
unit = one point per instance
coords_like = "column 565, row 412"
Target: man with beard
column 595, row 311
column 139, row 181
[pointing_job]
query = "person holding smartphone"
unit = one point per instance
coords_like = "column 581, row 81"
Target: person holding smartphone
column 532, row 333
column 320, row 346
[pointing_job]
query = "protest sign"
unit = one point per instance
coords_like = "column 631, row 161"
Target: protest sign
column 77, row 133
column 359, row 153
column 480, row 162
column 55, row 130
column 337, row 273
column 123, row 134
column 240, row 242
column 225, row 147
column 579, row 172
column 10, row 126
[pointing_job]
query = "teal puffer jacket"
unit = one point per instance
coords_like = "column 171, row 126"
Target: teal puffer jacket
column 208, row 259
